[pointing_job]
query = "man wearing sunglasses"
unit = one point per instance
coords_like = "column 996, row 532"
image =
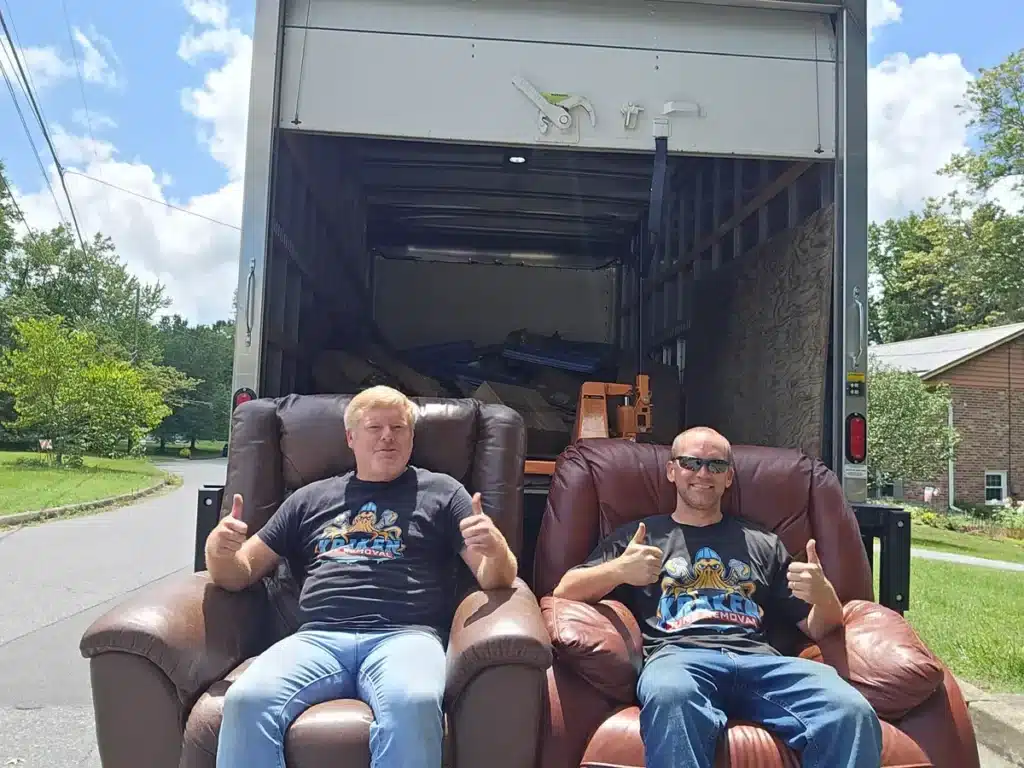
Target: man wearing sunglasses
column 701, row 586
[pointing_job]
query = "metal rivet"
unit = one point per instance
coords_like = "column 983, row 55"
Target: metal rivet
column 899, row 524
column 207, row 502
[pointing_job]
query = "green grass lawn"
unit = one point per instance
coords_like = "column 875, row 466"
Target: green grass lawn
column 972, row 618
column 926, row 537
column 26, row 484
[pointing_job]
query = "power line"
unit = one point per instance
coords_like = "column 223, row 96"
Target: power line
column 78, row 69
column 28, row 132
column 42, row 127
column 17, row 208
column 153, row 199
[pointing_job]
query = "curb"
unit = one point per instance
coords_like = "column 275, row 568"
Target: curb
column 998, row 721
column 20, row 518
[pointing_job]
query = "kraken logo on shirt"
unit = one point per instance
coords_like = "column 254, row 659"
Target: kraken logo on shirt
column 708, row 592
column 364, row 537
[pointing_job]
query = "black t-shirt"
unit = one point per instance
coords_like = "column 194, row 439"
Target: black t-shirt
column 719, row 583
column 373, row 555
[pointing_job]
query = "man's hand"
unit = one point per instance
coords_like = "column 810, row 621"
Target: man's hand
column 640, row 564
column 480, row 533
column 229, row 535
column 487, row 553
column 808, row 581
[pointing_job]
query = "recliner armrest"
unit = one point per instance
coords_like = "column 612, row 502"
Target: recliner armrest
column 192, row 630
column 601, row 643
column 495, row 627
column 879, row 653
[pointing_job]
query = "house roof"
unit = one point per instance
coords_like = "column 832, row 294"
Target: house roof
column 933, row 355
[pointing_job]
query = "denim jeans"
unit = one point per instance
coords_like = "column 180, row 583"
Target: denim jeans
column 685, row 695
column 400, row 675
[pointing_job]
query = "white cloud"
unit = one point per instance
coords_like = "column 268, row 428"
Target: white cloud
column 47, row 65
column 914, row 128
column 915, row 125
column 880, row 13
column 196, row 259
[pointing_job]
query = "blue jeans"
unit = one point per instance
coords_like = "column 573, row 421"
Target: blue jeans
column 685, row 693
column 400, row 675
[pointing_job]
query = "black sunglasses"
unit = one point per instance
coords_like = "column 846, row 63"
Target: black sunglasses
column 694, row 464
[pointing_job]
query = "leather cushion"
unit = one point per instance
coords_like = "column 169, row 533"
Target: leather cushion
column 881, row 655
column 601, row 643
column 616, row 742
column 313, row 443
column 329, row 735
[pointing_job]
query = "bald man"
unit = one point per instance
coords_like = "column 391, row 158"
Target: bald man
column 701, row 585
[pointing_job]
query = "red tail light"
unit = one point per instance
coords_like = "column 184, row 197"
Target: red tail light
column 244, row 395
column 856, row 438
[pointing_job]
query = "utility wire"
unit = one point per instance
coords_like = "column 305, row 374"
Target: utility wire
column 153, row 199
column 28, row 132
column 78, row 69
column 17, row 208
column 42, row 126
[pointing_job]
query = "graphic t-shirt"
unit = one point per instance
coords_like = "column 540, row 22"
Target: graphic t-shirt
column 373, row 555
column 718, row 584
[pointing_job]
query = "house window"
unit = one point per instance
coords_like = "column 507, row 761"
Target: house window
column 995, row 487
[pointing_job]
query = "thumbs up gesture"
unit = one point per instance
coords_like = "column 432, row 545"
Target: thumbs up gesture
column 230, row 533
column 640, row 563
column 807, row 580
column 479, row 531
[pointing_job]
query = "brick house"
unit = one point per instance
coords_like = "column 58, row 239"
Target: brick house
column 985, row 373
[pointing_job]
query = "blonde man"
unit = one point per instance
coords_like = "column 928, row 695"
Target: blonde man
column 377, row 548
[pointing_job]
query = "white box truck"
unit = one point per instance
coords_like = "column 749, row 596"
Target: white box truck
column 683, row 181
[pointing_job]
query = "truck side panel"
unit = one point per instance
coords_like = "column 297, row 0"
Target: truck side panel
column 259, row 161
column 848, row 385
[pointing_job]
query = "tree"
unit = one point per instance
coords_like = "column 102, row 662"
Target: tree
column 995, row 102
column 950, row 267
column 909, row 436
column 50, row 274
column 204, row 353
column 68, row 391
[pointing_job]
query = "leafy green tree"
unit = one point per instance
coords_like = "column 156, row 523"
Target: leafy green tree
column 50, row 274
column 68, row 391
column 909, row 436
column 950, row 267
column 995, row 103
column 205, row 354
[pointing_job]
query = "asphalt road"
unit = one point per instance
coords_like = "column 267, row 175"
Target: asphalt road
column 55, row 579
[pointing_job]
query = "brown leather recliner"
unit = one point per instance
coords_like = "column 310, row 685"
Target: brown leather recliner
column 162, row 662
column 592, row 718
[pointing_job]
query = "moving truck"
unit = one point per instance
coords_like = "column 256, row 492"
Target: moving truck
column 504, row 199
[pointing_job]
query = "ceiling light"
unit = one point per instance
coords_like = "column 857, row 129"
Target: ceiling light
column 516, row 159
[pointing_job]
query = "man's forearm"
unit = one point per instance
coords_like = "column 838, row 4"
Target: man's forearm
column 824, row 617
column 591, row 584
column 498, row 571
column 230, row 573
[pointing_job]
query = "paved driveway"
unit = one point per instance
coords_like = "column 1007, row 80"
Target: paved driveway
column 55, row 579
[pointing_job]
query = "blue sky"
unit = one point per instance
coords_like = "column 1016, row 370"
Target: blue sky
column 983, row 32
column 146, row 104
column 172, row 75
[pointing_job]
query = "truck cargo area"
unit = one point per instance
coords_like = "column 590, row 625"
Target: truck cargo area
column 510, row 274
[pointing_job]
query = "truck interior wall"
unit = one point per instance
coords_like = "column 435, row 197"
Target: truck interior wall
column 318, row 271
column 421, row 302
column 742, row 306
